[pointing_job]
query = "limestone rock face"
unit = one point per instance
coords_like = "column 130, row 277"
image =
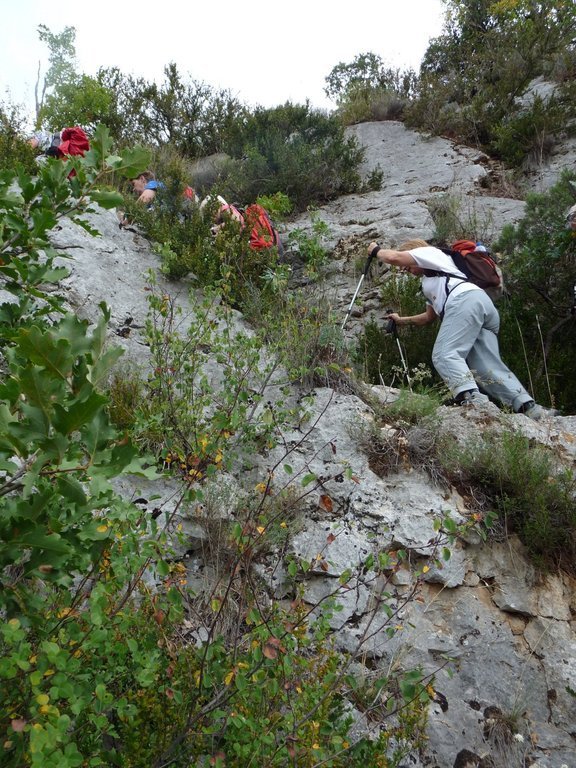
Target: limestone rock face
column 498, row 638
column 418, row 173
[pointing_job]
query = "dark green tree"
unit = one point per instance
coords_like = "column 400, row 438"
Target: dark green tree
column 14, row 149
column 538, row 325
column 81, row 100
column 366, row 89
column 473, row 74
column 189, row 115
column 293, row 149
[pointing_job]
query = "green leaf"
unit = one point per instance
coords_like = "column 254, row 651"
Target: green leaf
column 100, row 691
column 67, row 420
column 107, row 199
column 46, row 542
column 72, row 490
column 97, row 530
column 162, row 568
column 85, row 226
column 42, row 349
column 98, row 434
column 98, row 372
column 132, row 162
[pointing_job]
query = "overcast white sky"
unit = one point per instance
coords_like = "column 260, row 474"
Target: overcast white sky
column 265, row 53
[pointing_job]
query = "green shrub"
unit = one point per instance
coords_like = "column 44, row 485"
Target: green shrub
column 125, row 393
column 181, row 233
column 377, row 356
column 292, row 149
column 529, row 135
column 301, row 327
column 538, row 256
column 277, row 205
column 533, row 497
column 414, row 407
column 14, row 149
column 310, row 247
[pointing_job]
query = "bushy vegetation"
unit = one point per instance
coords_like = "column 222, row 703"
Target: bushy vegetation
column 101, row 637
column 293, row 149
column 377, row 354
column 366, row 89
column 14, row 149
column 472, row 79
column 473, row 75
column 538, row 322
column 530, row 492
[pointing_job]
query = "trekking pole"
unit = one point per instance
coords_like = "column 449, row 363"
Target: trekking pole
column 392, row 328
column 369, row 260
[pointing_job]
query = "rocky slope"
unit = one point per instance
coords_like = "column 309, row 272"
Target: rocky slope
column 499, row 637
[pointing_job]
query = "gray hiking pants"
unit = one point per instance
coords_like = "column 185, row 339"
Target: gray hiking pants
column 466, row 350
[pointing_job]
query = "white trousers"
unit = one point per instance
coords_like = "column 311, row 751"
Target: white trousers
column 466, row 352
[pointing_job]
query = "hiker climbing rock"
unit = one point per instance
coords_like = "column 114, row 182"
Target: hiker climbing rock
column 64, row 143
column 255, row 220
column 466, row 353
column 145, row 186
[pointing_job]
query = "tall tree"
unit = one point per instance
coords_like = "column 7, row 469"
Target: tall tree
column 61, row 64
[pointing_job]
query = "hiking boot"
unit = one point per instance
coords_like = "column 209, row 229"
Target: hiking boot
column 472, row 397
column 537, row 412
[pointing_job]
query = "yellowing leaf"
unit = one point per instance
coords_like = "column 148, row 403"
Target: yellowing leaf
column 42, row 698
column 272, row 647
column 102, row 528
column 426, row 569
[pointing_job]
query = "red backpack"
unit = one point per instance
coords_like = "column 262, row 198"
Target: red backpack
column 474, row 260
column 73, row 141
column 262, row 233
